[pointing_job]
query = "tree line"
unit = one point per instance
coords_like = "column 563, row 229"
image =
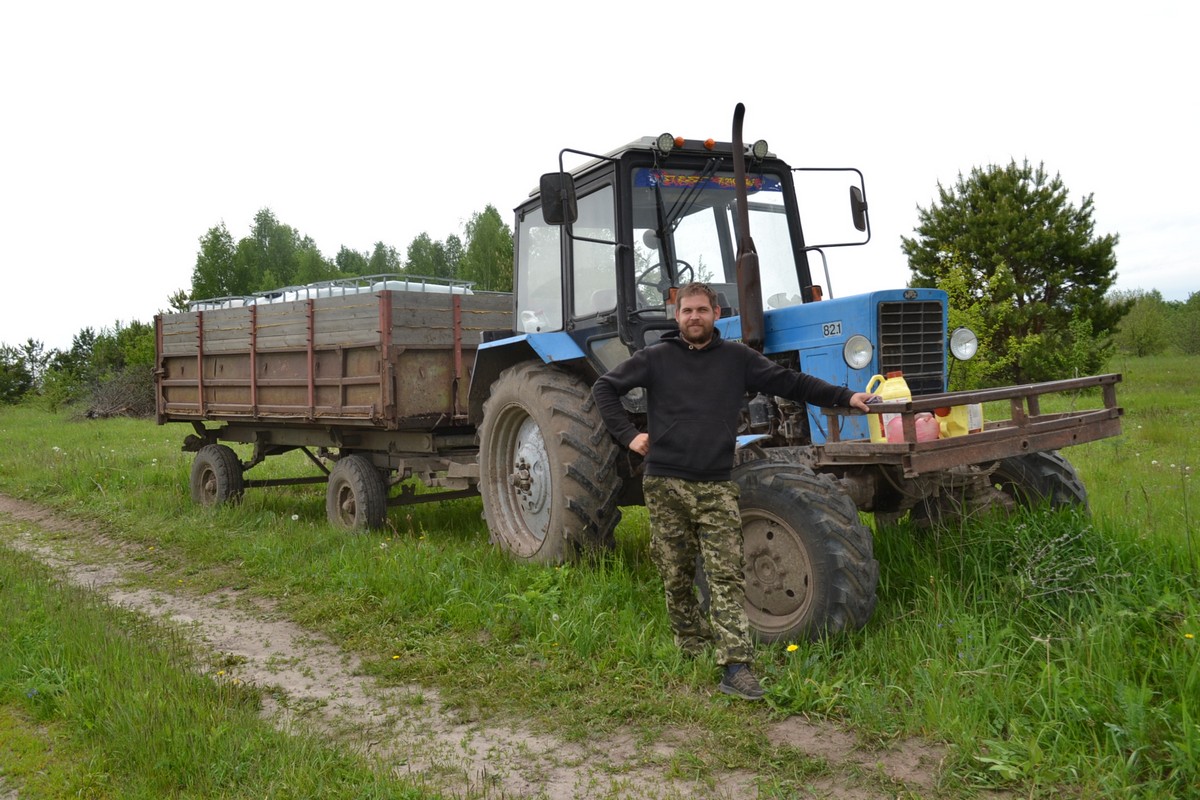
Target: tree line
column 111, row 371
column 274, row 255
column 1022, row 265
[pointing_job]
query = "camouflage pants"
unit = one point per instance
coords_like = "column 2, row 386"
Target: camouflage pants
column 700, row 518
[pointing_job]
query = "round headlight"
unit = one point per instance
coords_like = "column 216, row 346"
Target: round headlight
column 858, row 351
column 964, row 344
column 759, row 149
column 664, row 143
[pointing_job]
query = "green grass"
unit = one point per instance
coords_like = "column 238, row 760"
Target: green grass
column 1052, row 653
column 100, row 703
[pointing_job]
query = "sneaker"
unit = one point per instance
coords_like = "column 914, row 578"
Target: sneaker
column 739, row 681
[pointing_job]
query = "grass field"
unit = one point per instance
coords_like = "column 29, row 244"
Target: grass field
column 1051, row 654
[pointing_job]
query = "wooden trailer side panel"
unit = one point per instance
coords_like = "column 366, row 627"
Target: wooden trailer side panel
column 392, row 359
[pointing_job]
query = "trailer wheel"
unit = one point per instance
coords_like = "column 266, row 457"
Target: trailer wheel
column 547, row 466
column 216, row 476
column 1041, row 478
column 356, row 497
column 809, row 562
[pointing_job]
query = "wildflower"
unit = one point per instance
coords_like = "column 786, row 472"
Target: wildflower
column 791, row 648
column 295, row 517
column 383, row 545
column 1189, row 636
column 554, row 617
column 220, row 672
column 56, row 449
column 395, row 658
column 151, row 547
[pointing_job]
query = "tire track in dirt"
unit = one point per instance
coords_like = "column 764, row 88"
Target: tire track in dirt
column 313, row 685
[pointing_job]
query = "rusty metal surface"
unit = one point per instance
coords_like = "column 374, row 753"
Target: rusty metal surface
column 1026, row 431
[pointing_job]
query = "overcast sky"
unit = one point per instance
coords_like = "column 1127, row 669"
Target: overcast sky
column 127, row 130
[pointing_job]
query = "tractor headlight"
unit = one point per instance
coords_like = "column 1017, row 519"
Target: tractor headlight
column 858, row 351
column 964, row 344
column 664, row 143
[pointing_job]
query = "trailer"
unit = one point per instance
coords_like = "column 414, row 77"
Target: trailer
column 368, row 376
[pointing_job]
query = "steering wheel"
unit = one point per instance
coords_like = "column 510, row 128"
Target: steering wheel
column 662, row 285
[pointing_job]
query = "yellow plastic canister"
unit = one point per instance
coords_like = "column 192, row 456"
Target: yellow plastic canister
column 960, row 420
column 893, row 387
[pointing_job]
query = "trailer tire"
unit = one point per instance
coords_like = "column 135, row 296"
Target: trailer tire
column 547, row 466
column 1041, row 478
column 356, row 496
column 216, row 477
column 809, row 562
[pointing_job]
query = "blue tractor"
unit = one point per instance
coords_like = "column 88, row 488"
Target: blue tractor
column 600, row 251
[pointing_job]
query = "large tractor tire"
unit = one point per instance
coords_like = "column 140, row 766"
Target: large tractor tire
column 1041, row 479
column 809, row 562
column 216, row 476
column 356, row 495
column 547, row 466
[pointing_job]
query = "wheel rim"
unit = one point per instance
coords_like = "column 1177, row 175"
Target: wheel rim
column 779, row 572
column 347, row 505
column 208, row 486
column 525, row 468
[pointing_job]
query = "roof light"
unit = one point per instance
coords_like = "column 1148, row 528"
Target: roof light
column 759, row 149
column 665, row 142
column 709, row 144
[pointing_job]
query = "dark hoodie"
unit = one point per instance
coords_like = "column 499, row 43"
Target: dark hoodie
column 695, row 396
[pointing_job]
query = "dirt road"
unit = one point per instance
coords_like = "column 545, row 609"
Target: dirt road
column 315, row 685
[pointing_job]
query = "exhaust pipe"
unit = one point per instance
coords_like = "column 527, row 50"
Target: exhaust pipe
column 748, row 281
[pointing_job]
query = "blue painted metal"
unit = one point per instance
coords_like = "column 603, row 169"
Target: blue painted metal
column 551, row 347
column 818, row 332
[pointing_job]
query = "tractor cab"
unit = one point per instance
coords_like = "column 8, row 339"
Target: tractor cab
column 601, row 249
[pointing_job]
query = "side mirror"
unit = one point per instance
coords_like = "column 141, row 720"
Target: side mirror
column 858, row 208
column 558, row 198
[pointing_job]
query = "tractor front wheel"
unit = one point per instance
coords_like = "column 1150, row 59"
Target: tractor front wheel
column 809, row 562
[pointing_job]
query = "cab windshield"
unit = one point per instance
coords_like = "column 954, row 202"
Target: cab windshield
column 685, row 229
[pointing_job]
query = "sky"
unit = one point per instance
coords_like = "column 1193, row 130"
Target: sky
column 129, row 129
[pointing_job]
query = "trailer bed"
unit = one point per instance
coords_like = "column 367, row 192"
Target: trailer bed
column 391, row 360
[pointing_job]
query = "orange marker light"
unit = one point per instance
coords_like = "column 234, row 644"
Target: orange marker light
column 679, row 141
column 709, row 144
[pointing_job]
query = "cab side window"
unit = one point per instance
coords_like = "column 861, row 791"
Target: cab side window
column 594, row 263
column 539, row 275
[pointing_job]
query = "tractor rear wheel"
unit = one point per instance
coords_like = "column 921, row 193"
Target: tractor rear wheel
column 547, row 466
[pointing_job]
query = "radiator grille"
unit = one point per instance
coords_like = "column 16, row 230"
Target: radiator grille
column 912, row 340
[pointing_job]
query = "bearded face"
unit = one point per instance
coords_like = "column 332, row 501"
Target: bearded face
column 696, row 316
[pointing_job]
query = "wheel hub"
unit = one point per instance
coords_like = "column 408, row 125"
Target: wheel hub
column 530, row 477
column 777, row 568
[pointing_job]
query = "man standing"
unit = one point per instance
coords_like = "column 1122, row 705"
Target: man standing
column 696, row 384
